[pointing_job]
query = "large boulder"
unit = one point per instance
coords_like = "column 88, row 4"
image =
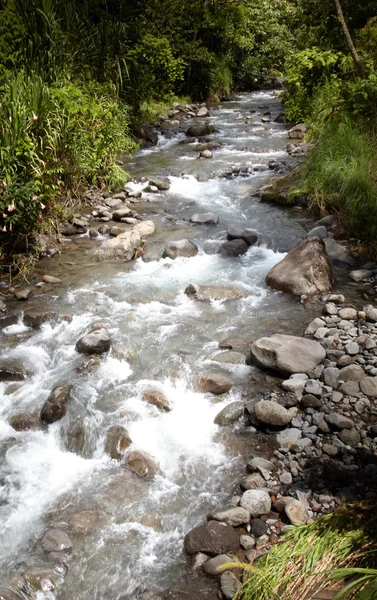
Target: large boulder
column 287, row 353
column 142, row 463
column 209, row 218
column 96, row 342
column 180, row 248
column 117, row 441
column 239, row 233
column 123, row 246
column 199, row 130
column 233, row 248
column 212, row 538
column 215, row 292
column 272, row 413
column 306, row 270
column 55, row 407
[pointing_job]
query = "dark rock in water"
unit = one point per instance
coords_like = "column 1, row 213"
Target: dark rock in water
column 35, row 318
column 306, row 270
column 199, row 130
column 205, row 219
column 96, row 342
column 280, row 118
column 10, row 373
column 6, row 321
column 93, row 233
column 215, row 292
column 233, row 233
column 180, row 248
column 55, row 407
column 55, row 540
column 233, row 248
column 142, row 463
column 157, row 399
column 147, row 134
column 27, row 421
column 117, row 441
column 230, row 413
column 212, row 538
column 215, row 384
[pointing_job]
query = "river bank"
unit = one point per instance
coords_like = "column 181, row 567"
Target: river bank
column 124, row 533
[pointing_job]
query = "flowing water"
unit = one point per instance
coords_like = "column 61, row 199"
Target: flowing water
column 161, row 339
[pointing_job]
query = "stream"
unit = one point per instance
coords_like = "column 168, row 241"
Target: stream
column 161, row 339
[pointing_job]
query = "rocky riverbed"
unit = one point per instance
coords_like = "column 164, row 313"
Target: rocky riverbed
column 151, row 376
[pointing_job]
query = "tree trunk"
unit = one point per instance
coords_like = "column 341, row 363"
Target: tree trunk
column 355, row 56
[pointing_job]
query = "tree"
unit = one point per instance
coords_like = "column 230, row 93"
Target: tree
column 355, row 56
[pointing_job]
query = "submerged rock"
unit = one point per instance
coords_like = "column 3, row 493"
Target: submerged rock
column 287, row 353
column 306, row 270
column 27, row 421
column 55, row 540
column 215, row 292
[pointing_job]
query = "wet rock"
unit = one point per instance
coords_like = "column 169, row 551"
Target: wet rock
column 11, row 373
column 360, row 275
column 96, row 342
column 215, row 384
column 145, row 228
column 234, row 233
column 339, row 421
column 152, row 520
column 198, row 130
column 229, row 585
column 272, row 413
column 142, row 463
column 206, row 154
column 230, row 413
column 147, row 134
column 205, row 218
column 44, row 579
column 217, row 565
column 103, row 229
column 212, row 538
column 36, row 318
column 215, row 292
column 233, row 248
column 163, row 185
column 232, row 515
column 296, row 512
column 123, row 247
column 68, row 229
column 117, row 441
column 27, row 421
column 257, row 502
column 306, row 270
column 287, row 353
column 368, row 386
column 319, row 231
column 55, row 407
column 84, row 522
column 51, row 279
column 23, row 295
column 114, row 231
column 55, row 540
column 180, row 248
column 157, row 398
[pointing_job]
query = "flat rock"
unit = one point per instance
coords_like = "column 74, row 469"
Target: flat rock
column 339, row 421
column 287, row 353
column 123, row 247
column 257, row 502
column 272, row 413
column 306, row 270
column 145, row 228
column 230, row 357
column 351, row 373
column 230, row 413
column 360, row 274
column 212, row 538
column 180, row 248
column 209, row 218
column 232, row 515
column 215, row 384
column 215, row 292
column 121, row 213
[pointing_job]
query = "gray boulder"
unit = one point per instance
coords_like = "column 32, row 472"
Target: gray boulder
column 233, row 248
column 180, row 248
column 229, row 585
column 272, row 413
column 209, row 218
column 239, row 233
column 215, row 292
column 287, row 353
column 232, row 515
column 306, row 270
column 96, row 342
column 338, row 253
column 319, row 231
column 212, row 538
column 217, row 565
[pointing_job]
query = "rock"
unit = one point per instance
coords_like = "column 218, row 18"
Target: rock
column 247, row 542
column 145, row 228
column 103, row 229
column 331, row 377
column 296, row 512
column 350, row 388
column 96, row 342
column 258, row 527
column 215, row 292
column 36, row 318
column 84, row 522
column 113, row 202
column 350, row 437
column 272, row 413
column 339, row 421
column 319, row 231
column 230, row 413
column 287, row 353
column 42, row 579
column 314, row 326
column 296, row 386
column 368, row 386
column 286, row 478
column 338, row 253
column 212, row 538
column 233, row 515
column 215, row 384
column 289, row 437
column 142, row 463
column 55, row 540
column 51, row 279
column 297, row 132
column 234, row 233
column 205, row 218
column 327, row 221
column 230, row 357
column 360, row 275
column 215, row 566
column 117, row 441
column 202, row 112
column 306, row 270
column 351, row 373
column 161, row 184
column 258, row 463
column 229, row 585
column 257, row 502
column 253, row 482
column 68, row 229
column 347, row 313
column 157, row 399
column 11, row 373
column 233, row 248
column 27, row 421
column 371, row 313
column 206, row 154
column 147, row 134
column 55, row 407
column 115, row 231
column 310, row 401
column 199, row 130
column 123, row 247
column 180, row 248
column 23, row 295
column 352, row 348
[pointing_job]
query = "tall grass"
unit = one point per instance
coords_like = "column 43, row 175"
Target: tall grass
column 341, row 176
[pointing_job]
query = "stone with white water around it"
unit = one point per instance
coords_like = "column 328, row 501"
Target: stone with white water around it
column 209, row 218
column 215, row 384
column 123, row 247
column 215, row 292
column 180, row 248
column 233, row 248
column 234, row 233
